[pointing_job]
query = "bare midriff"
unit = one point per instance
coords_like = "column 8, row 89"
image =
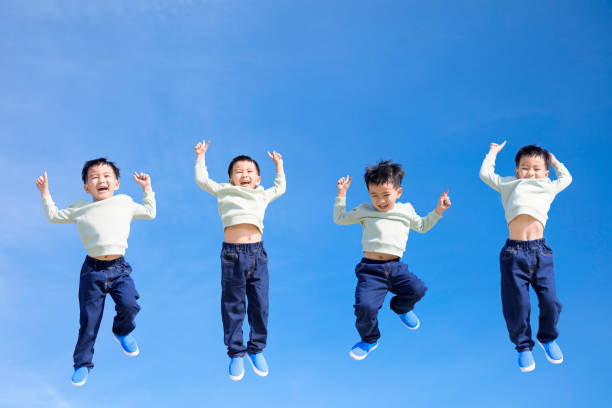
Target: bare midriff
column 525, row 228
column 242, row 234
column 379, row 256
column 107, row 257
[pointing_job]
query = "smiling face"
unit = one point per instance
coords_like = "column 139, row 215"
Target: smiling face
column 531, row 167
column 101, row 182
column 383, row 196
column 244, row 174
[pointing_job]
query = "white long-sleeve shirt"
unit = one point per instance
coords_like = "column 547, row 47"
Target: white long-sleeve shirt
column 384, row 231
column 525, row 196
column 239, row 205
column 104, row 225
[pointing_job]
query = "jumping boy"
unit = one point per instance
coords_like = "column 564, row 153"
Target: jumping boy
column 104, row 226
column 244, row 262
column 385, row 225
column 526, row 258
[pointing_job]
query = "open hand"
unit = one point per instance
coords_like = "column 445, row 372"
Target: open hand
column 553, row 160
column 495, row 148
column 201, row 148
column 144, row 180
column 43, row 184
column 276, row 157
column 343, row 185
column 444, row 203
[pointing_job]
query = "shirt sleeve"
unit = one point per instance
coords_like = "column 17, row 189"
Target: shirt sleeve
column 487, row 172
column 278, row 189
column 147, row 210
column 342, row 217
column 564, row 178
column 201, row 177
column 422, row 224
column 55, row 215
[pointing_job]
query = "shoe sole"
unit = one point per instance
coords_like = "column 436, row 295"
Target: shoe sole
column 258, row 372
column 358, row 358
column 411, row 328
column 236, row 377
column 80, row 383
column 548, row 357
column 127, row 353
column 527, row 369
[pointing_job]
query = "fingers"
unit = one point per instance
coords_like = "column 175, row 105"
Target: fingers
column 45, row 177
column 502, row 145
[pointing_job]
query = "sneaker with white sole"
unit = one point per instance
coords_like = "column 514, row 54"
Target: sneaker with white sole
column 128, row 344
column 80, row 376
column 553, row 352
column 236, row 368
column 361, row 350
column 259, row 364
column 410, row 320
column 525, row 361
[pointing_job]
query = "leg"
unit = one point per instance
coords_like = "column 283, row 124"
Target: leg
column 233, row 288
column 515, row 297
column 257, row 295
column 91, row 303
column 372, row 286
column 124, row 293
column 408, row 289
column 545, row 288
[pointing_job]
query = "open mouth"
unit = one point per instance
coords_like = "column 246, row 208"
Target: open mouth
column 245, row 183
column 102, row 189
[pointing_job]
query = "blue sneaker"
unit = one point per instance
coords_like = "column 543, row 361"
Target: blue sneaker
column 410, row 320
column 553, row 352
column 525, row 361
column 258, row 362
column 128, row 344
column 236, row 368
column 80, row 376
column 361, row 350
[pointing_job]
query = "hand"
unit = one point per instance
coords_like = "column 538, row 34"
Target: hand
column 553, row 160
column 444, row 203
column 278, row 160
column 495, row 148
column 201, row 148
column 43, row 185
column 343, row 185
column 144, row 180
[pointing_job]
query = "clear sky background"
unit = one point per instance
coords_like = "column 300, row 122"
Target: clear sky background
column 333, row 86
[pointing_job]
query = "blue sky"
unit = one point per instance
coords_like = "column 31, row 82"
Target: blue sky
column 333, row 86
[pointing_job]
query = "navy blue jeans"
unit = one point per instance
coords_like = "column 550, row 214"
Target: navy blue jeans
column 97, row 279
column 374, row 280
column 244, row 271
column 524, row 263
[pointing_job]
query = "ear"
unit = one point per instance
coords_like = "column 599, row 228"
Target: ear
column 399, row 192
column 547, row 173
column 86, row 188
column 516, row 172
column 258, row 180
column 230, row 181
column 116, row 184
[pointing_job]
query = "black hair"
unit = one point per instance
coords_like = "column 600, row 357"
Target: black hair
column 241, row 158
column 384, row 172
column 532, row 150
column 98, row 162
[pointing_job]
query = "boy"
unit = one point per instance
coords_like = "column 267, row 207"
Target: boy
column 385, row 225
column 526, row 258
column 104, row 226
column 244, row 261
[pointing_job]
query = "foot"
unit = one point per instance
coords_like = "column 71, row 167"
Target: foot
column 258, row 362
column 553, row 352
column 361, row 350
column 525, row 361
column 236, row 368
column 128, row 344
column 410, row 320
column 80, row 376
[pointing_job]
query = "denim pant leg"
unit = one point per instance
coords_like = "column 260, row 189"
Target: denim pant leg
column 123, row 291
column 91, row 304
column 544, row 285
column 233, row 290
column 406, row 286
column 257, row 284
column 372, row 287
column 515, row 278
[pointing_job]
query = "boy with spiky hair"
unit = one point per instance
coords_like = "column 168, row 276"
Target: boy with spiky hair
column 244, row 262
column 385, row 225
column 104, row 226
column 526, row 259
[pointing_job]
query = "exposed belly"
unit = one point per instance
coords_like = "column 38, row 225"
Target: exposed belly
column 242, row 234
column 379, row 256
column 107, row 257
column 525, row 228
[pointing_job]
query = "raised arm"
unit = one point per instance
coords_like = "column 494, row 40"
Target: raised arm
column 342, row 217
column 54, row 215
column 201, row 174
column 487, row 170
column 424, row 224
column 146, row 210
column 280, row 184
column 564, row 178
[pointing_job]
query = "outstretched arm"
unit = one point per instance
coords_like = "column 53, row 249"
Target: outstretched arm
column 146, row 210
column 487, row 170
column 280, row 184
column 54, row 215
column 201, row 174
column 564, row 178
column 340, row 215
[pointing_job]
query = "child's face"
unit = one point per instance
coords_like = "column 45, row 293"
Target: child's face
column 384, row 195
column 101, row 182
column 244, row 174
column 531, row 167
